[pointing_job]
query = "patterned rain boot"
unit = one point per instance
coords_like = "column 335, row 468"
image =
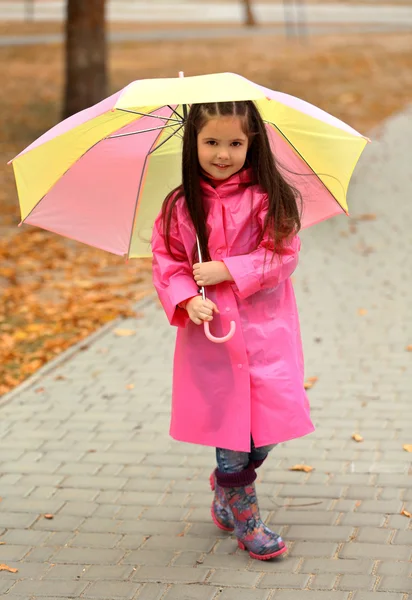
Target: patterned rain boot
column 220, row 510
column 251, row 532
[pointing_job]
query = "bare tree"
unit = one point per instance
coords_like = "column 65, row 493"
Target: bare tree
column 249, row 16
column 86, row 55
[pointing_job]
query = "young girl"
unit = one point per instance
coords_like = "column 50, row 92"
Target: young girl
column 246, row 395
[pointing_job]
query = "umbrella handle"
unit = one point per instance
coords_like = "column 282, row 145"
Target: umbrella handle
column 223, row 339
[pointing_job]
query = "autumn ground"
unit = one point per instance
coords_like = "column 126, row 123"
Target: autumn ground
column 55, row 292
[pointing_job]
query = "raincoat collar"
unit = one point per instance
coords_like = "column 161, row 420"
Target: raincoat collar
column 228, row 186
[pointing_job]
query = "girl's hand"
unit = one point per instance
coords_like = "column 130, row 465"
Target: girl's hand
column 211, row 273
column 200, row 310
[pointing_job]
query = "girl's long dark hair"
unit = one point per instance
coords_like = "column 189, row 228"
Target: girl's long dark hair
column 283, row 217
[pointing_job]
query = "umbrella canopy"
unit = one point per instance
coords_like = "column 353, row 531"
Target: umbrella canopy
column 100, row 176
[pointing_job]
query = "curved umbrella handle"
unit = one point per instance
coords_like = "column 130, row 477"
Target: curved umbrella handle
column 223, row 339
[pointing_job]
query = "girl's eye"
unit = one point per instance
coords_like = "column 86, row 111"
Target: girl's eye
column 236, row 144
column 211, row 143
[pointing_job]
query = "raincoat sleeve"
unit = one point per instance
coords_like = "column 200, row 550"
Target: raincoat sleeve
column 262, row 269
column 173, row 279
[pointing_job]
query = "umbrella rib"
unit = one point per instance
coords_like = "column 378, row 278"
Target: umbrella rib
column 135, row 112
column 175, row 112
column 306, row 163
column 142, row 176
column 119, row 135
column 164, row 141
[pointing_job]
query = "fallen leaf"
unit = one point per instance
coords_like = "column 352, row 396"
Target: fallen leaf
column 305, row 468
column 405, row 513
column 48, row 516
column 2, row 543
column 309, row 383
column 365, row 217
column 409, row 348
column 39, row 390
column 357, row 437
column 407, row 447
column 60, row 378
column 130, row 386
column 362, row 311
column 7, row 568
column 124, row 332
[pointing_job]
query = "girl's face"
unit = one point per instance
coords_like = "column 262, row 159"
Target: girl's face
column 222, row 147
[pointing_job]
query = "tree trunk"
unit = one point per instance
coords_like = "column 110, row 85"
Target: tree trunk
column 86, row 54
column 249, row 16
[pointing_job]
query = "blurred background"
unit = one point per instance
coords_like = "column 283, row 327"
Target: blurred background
column 352, row 58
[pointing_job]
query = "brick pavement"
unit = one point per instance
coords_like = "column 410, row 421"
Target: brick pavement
column 131, row 506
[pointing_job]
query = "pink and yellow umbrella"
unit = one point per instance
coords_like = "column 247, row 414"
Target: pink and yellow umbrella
column 100, row 176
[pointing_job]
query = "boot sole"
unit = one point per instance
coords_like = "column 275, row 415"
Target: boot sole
column 242, row 546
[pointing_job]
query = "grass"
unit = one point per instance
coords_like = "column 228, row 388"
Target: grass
column 55, row 292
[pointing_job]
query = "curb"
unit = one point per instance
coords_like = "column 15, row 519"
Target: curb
column 68, row 354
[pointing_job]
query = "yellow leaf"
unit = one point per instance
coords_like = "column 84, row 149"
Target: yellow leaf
column 130, row 386
column 409, row 348
column 124, row 332
column 357, row 437
column 405, row 513
column 7, row 568
column 305, row 468
column 407, row 447
column 362, row 312
column 49, row 516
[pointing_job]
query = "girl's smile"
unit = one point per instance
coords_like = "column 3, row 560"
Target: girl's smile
column 222, row 146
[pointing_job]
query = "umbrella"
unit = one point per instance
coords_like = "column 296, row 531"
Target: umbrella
column 100, row 176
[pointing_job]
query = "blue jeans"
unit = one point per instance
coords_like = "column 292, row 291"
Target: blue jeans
column 231, row 461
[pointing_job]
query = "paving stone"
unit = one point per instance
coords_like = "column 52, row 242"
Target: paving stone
column 326, row 549
column 403, row 537
column 319, row 532
column 10, row 552
column 395, row 583
column 88, row 556
column 362, row 519
column 151, row 591
column 65, row 572
column 309, row 595
column 170, row 575
column 237, row 594
column 54, row 589
column 17, row 520
column 235, row 579
column 149, row 558
column 377, row 551
column 284, row 580
column 160, row 542
column 108, row 572
column 381, row 506
column 95, row 540
column 374, row 596
column 296, row 517
column 373, row 535
column 356, row 582
column 111, row 590
column 395, row 568
column 339, row 565
column 58, row 523
column 192, row 592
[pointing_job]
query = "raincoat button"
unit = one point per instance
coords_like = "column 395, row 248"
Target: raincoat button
column 227, row 309
column 219, row 251
column 240, row 366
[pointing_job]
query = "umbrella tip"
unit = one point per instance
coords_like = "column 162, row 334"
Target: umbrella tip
column 20, row 224
column 181, row 74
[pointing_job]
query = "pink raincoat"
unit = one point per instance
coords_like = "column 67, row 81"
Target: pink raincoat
column 252, row 384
